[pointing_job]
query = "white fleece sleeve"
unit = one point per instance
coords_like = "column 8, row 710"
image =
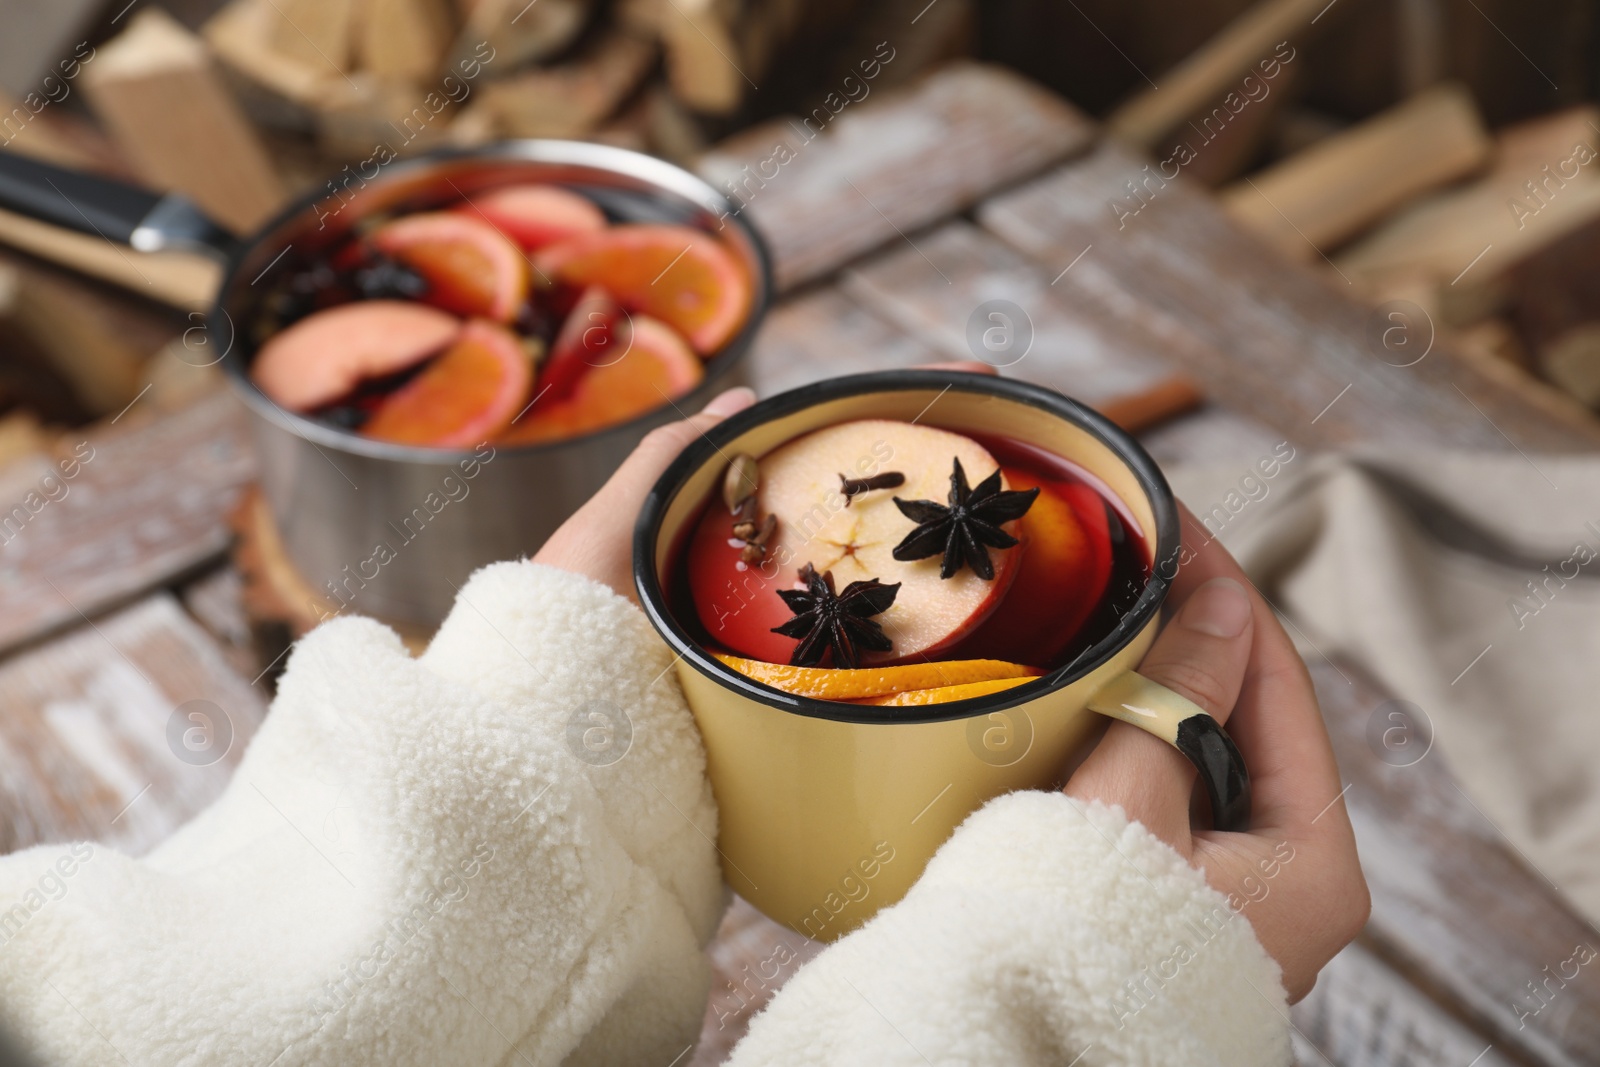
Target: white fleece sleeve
column 1044, row 932
column 497, row 853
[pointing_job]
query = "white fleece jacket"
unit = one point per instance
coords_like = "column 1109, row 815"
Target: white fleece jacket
column 501, row 853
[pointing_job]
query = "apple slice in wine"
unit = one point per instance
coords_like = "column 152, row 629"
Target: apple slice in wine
column 799, row 484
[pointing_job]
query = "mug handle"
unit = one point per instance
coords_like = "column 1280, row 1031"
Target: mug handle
column 1185, row 725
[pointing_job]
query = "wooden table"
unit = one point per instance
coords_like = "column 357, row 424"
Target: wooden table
column 889, row 231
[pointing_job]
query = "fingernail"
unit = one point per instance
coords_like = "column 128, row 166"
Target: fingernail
column 736, row 399
column 1220, row 608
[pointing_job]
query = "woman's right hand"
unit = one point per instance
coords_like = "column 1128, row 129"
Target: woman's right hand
column 1295, row 874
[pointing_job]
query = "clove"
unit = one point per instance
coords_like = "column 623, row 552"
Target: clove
column 755, row 539
column 854, row 487
column 763, row 535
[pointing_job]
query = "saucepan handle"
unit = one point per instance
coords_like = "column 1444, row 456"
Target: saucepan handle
column 1185, row 725
column 117, row 211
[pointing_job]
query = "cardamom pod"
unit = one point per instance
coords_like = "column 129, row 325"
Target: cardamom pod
column 739, row 484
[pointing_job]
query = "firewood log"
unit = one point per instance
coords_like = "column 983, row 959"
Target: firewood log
column 1311, row 202
column 161, row 97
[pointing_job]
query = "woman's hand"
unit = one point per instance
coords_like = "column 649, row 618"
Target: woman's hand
column 597, row 541
column 1295, row 874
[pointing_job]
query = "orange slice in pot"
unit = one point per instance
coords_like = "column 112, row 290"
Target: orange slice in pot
column 468, row 395
column 471, row 268
column 684, row 277
column 655, row 368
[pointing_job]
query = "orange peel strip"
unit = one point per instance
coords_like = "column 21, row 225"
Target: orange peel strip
column 826, row 683
column 944, row 694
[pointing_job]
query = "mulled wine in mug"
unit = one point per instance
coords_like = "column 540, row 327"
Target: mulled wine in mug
column 894, row 596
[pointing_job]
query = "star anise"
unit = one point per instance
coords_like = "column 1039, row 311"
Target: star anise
column 824, row 619
column 968, row 528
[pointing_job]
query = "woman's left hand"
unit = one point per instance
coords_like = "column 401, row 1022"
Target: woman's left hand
column 597, row 541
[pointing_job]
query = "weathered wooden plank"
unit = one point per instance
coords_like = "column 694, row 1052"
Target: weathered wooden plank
column 1454, row 907
column 911, row 304
column 943, row 292
column 949, row 289
column 216, row 600
column 822, row 333
column 144, row 504
column 119, row 731
column 1363, row 1013
column 851, row 176
column 1279, row 341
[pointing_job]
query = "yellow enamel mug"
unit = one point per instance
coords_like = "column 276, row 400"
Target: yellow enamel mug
column 830, row 811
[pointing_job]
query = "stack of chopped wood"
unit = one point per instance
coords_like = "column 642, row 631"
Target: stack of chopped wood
column 1494, row 234
column 273, row 96
column 265, row 99
column 657, row 75
column 1505, row 255
column 360, row 73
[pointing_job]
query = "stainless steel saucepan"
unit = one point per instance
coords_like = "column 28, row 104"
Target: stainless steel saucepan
column 383, row 529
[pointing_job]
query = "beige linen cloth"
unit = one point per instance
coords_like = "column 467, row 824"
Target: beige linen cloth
column 1466, row 584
